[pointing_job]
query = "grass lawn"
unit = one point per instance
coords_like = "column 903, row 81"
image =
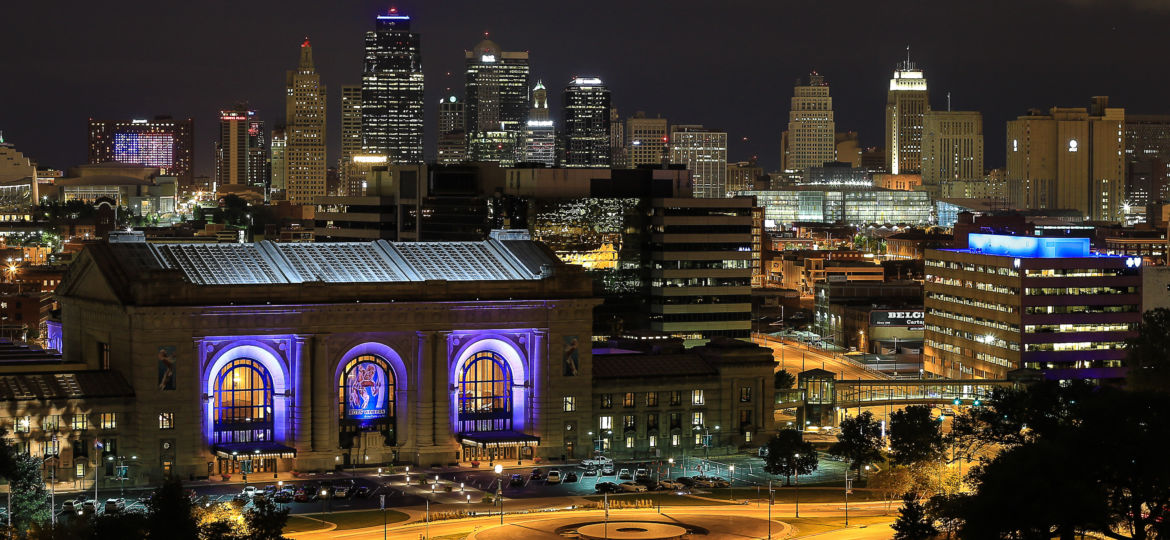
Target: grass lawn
column 665, row 499
column 300, row 524
column 788, row 495
column 804, row 527
column 344, row 520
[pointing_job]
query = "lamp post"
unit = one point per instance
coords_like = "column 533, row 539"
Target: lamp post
column 731, row 485
column 669, row 465
column 324, row 496
column 796, row 471
column 500, row 490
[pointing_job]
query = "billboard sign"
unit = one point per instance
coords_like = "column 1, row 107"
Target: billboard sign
column 913, row 319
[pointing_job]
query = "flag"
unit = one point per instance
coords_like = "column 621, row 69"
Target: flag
column 97, row 443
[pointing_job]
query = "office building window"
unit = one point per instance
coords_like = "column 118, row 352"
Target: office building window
column 628, row 421
column 166, row 420
column 745, row 394
column 606, row 422
column 675, row 420
column 652, row 421
column 747, row 436
column 606, row 401
column 674, row 440
column 698, row 439
column 745, row 417
column 630, row 441
column 80, row 421
column 109, row 420
column 51, row 447
column 23, row 424
column 570, row 404
column 653, row 441
column 79, row 469
column 651, row 399
column 697, row 397
column 628, row 400
column 51, row 423
column 103, row 354
column 676, row 398
column 697, row 418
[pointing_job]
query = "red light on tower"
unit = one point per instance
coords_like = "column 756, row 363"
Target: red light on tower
column 393, row 10
column 306, row 43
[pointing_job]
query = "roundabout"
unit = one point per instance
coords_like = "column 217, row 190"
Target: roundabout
column 630, row 530
column 637, row 526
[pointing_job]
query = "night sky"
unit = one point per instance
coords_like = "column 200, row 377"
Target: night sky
column 724, row 64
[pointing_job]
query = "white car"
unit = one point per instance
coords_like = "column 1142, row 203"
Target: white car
column 596, row 462
column 633, row 487
column 641, row 474
column 624, row 474
column 249, row 491
column 115, row 505
column 554, row 477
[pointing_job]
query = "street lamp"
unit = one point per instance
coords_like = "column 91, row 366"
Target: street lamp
column 796, row 471
column 500, row 490
column 731, row 486
column 669, row 465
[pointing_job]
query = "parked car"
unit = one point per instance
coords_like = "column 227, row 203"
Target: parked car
column 517, row 480
column 641, row 474
column 633, row 487
column 570, row 476
column 703, row 481
column 249, row 491
column 685, row 480
column 340, row 491
column 596, row 461
column 538, row 474
column 304, row 495
column 589, row 472
column 89, row 507
column 554, row 477
column 115, row 505
column 283, row 496
column 624, row 474
column 361, row 491
column 69, row 506
column 670, row 485
column 606, row 487
column 720, row 483
column 607, row 470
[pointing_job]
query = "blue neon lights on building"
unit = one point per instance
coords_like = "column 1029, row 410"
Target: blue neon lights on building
column 1027, row 246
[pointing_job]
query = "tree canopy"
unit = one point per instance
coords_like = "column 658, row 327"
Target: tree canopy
column 789, row 454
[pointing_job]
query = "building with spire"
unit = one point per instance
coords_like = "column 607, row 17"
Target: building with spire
column 392, row 91
column 907, row 103
column 497, row 99
column 540, row 137
column 585, row 129
column 811, row 137
column 304, row 119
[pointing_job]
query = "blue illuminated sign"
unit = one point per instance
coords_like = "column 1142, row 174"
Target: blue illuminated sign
column 1027, row 246
column 365, row 391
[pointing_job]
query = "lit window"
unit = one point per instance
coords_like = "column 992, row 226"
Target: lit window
column 23, row 424
column 51, row 423
column 606, row 422
column 697, row 397
column 166, row 420
column 629, row 442
column 653, row 441
column 747, row 436
column 628, row 400
column 109, row 420
column 606, row 401
column 674, row 440
column 651, row 399
column 698, row 439
column 79, row 469
column 697, row 418
column 80, row 421
column 745, row 394
column 570, row 404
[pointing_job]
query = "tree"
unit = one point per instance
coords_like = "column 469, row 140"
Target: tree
column 914, row 435
column 1148, row 354
column 860, row 440
column 892, row 482
column 912, row 522
column 30, row 499
column 266, row 521
column 789, row 454
column 168, row 513
column 783, row 380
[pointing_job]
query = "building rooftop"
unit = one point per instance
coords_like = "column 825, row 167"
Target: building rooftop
column 619, row 366
column 1027, row 246
column 64, row 385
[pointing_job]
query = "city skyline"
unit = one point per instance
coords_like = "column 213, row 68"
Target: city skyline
column 971, row 70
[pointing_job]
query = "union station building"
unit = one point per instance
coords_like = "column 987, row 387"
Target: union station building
column 195, row 360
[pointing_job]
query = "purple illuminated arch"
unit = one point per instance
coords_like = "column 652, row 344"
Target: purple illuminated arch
column 510, row 351
column 397, row 369
column 272, row 361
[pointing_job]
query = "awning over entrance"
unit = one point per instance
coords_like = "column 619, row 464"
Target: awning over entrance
column 497, row 439
column 253, row 450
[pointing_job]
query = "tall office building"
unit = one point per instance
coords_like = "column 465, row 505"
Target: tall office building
column 647, row 140
column 906, row 105
column 163, row 142
column 585, row 129
column 452, row 143
column 497, row 95
column 351, row 122
column 278, row 164
column 305, row 131
column 704, row 152
column 241, row 153
column 1071, row 158
column 952, row 147
column 811, row 136
column 741, row 176
column 540, row 139
column 1147, row 156
column 618, row 156
column 392, row 91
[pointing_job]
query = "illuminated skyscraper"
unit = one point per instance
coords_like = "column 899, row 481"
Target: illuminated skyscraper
column 304, row 117
column 811, row 136
column 497, row 94
column 618, row 158
column 278, row 164
column 452, row 131
column 585, row 130
column 241, row 153
column 392, row 91
column 351, row 122
column 704, row 152
column 952, row 147
column 906, row 105
column 646, row 140
column 540, row 139
column 164, row 142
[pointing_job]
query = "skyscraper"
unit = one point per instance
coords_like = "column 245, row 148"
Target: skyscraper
column 540, row 139
column 952, row 147
column 452, row 131
column 351, row 122
column 259, row 171
column 811, row 137
column 304, row 120
column 618, row 157
column 392, row 91
column 164, row 142
column 1147, row 152
column 241, row 155
column 906, row 105
column 278, row 164
column 496, row 90
column 704, row 152
column 1071, row 158
column 646, row 140
column 585, row 129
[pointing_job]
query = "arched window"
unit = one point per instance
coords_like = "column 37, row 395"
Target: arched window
column 243, row 402
column 485, row 394
column 365, row 389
